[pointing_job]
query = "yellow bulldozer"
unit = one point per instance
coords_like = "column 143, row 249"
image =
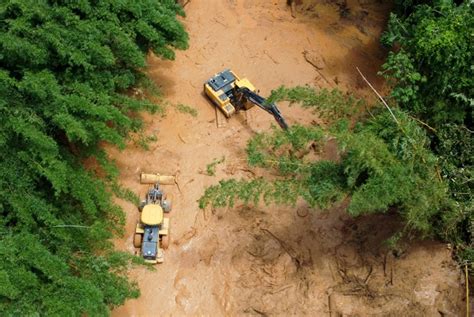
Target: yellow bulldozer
column 152, row 232
column 231, row 94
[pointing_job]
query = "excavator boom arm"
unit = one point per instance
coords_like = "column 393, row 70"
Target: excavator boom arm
column 260, row 102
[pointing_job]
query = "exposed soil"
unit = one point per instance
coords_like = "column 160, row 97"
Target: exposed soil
column 272, row 260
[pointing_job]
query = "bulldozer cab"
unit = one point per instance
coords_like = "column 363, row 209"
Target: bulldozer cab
column 152, row 215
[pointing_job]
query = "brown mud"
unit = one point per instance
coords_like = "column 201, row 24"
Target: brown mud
column 272, row 260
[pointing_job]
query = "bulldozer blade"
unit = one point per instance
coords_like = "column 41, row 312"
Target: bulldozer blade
column 157, row 178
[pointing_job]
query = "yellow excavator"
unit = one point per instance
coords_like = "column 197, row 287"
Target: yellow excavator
column 231, row 94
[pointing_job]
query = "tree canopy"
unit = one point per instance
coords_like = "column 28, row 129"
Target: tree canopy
column 65, row 70
column 433, row 79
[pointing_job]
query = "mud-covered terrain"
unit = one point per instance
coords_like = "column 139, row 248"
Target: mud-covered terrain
column 268, row 260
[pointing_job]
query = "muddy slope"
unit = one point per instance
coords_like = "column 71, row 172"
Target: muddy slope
column 268, row 260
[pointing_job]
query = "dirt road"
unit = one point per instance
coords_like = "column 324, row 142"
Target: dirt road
column 268, row 260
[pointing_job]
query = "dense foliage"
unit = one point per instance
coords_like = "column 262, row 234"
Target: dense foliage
column 432, row 67
column 433, row 79
column 64, row 69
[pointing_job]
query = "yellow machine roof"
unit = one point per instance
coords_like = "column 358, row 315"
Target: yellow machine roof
column 152, row 215
column 244, row 82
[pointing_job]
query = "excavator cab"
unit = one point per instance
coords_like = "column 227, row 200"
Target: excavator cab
column 220, row 89
column 230, row 94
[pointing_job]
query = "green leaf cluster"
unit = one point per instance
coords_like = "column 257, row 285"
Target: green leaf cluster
column 432, row 67
column 227, row 192
column 390, row 165
column 211, row 167
column 284, row 150
column 65, row 70
column 330, row 105
column 187, row 109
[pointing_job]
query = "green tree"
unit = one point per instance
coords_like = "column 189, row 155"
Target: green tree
column 66, row 68
column 433, row 78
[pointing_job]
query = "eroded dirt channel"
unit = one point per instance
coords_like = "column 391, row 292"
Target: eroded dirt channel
column 268, row 260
